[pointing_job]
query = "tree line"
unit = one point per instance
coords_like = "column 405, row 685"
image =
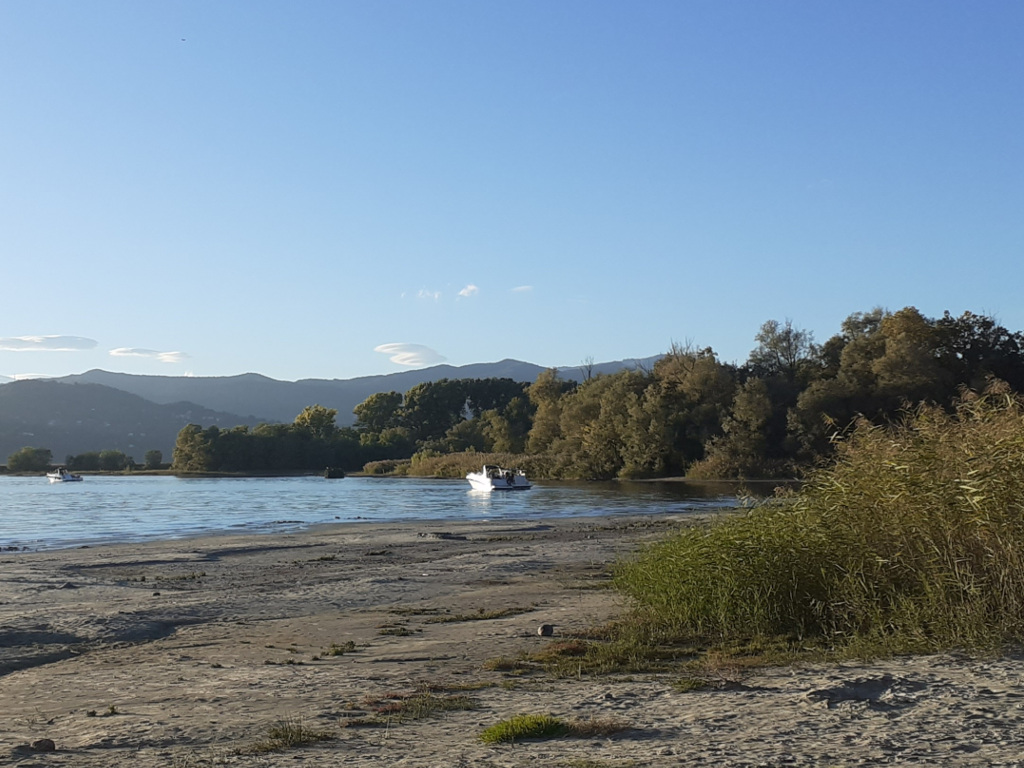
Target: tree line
column 429, row 417
column 688, row 414
column 31, row 459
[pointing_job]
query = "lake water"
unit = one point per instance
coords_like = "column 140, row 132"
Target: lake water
column 39, row 515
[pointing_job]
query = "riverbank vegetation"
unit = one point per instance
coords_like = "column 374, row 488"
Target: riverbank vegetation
column 689, row 414
column 913, row 540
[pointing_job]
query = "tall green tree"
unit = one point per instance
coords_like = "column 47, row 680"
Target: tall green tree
column 596, row 420
column 378, row 412
column 317, row 421
column 434, row 407
column 909, row 368
column 744, row 449
column 491, row 394
column 782, row 350
column 695, row 392
column 114, row 461
column 975, row 349
column 85, row 462
column 545, row 395
column 191, row 450
column 508, row 428
column 30, row 460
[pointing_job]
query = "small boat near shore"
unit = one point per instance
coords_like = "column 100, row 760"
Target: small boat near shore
column 495, row 478
column 61, row 475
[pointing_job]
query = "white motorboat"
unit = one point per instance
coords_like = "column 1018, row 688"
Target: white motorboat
column 61, row 475
column 495, row 478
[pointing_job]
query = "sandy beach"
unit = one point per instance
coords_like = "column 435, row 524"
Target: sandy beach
column 188, row 653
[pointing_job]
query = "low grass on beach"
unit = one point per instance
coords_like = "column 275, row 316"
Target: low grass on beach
column 288, row 734
column 913, row 541
column 535, row 726
column 423, row 702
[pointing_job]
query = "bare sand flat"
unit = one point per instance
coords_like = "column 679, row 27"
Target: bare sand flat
column 186, row 653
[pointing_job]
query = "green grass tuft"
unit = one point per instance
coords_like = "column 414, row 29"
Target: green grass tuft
column 522, row 727
column 288, row 734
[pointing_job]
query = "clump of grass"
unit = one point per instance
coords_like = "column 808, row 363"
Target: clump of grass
column 506, row 664
column 288, row 734
column 190, row 576
column 387, row 467
column 110, row 712
column 395, row 630
column 413, row 611
column 534, row 726
column 521, row 727
column 424, row 702
column 913, row 540
column 618, row 650
column 481, row 615
column 561, row 649
column 340, row 650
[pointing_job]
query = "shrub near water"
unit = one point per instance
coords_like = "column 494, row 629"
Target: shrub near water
column 456, row 465
column 913, row 540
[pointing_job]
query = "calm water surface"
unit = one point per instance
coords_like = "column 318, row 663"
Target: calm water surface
column 39, row 515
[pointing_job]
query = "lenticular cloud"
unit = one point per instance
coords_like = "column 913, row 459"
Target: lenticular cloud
column 163, row 357
column 410, row 354
column 45, row 344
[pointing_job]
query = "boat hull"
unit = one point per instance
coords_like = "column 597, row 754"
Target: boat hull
column 479, row 481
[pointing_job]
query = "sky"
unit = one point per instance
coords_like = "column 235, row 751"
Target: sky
column 333, row 189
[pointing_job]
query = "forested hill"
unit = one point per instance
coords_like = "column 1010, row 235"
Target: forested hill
column 274, row 401
column 70, row 419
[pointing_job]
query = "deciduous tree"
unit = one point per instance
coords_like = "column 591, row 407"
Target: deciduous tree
column 317, row 421
column 30, row 460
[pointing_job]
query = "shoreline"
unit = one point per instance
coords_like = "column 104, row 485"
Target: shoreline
column 185, row 652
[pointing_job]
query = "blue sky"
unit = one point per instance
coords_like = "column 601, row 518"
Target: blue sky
column 339, row 189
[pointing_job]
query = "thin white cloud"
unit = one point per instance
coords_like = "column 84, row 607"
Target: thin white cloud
column 425, row 294
column 45, row 344
column 412, row 355
column 24, row 377
column 522, row 289
column 469, row 290
column 163, row 357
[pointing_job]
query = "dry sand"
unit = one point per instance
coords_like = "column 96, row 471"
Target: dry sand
column 186, row 653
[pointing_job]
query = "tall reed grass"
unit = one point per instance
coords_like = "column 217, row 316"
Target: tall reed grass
column 912, row 540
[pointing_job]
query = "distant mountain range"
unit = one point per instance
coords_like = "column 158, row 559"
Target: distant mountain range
column 99, row 410
column 77, row 418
